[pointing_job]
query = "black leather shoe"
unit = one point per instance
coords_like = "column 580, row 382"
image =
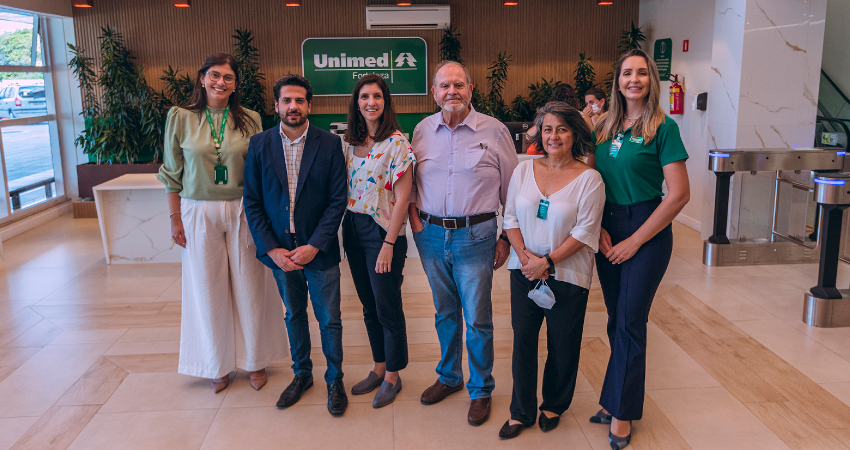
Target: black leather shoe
column 509, row 431
column 337, row 400
column 293, row 392
column 547, row 424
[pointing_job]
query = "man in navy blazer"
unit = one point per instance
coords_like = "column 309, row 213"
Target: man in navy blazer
column 295, row 197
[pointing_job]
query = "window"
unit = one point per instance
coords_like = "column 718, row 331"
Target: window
column 28, row 129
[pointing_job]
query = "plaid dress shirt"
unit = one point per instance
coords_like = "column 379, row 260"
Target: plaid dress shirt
column 292, row 151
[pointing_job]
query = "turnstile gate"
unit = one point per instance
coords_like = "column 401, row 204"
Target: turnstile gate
column 718, row 250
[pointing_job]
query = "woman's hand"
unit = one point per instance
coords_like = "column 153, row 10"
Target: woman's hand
column 178, row 235
column 604, row 242
column 535, row 268
column 623, row 251
column 587, row 111
column 385, row 259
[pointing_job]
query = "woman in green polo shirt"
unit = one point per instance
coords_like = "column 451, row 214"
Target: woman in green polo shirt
column 231, row 315
column 638, row 148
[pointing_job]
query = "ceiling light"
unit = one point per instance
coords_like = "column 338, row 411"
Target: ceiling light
column 83, row 3
column 182, row 3
column 511, row 2
column 604, row 2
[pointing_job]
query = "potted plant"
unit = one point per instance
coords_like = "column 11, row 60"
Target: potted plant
column 125, row 124
column 585, row 77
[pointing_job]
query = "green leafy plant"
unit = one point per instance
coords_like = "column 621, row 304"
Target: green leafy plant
column 83, row 68
column 450, row 45
column 585, row 77
column 524, row 109
column 127, row 119
column 248, row 59
column 629, row 40
column 178, row 88
column 492, row 103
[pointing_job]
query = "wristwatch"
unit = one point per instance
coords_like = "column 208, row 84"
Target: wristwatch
column 504, row 238
column 551, row 263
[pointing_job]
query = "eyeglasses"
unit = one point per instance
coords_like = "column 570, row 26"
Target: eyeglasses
column 215, row 76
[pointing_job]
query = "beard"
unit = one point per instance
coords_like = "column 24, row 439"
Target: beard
column 294, row 123
column 454, row 108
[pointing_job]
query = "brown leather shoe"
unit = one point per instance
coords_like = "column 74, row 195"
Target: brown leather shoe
column 258, row 379
column 437, row 392
column 220, row 384
column 479, row 411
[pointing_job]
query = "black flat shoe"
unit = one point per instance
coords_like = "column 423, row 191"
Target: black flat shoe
column 509, row 431
column 547, row 424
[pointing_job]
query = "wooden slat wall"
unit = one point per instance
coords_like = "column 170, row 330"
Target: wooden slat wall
column 543, row 36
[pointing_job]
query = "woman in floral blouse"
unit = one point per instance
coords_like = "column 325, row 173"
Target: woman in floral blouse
column 380, row 162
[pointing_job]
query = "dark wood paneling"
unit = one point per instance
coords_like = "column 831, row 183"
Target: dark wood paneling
column 543, row 36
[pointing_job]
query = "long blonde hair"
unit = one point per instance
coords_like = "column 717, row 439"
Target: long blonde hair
column 653, row 115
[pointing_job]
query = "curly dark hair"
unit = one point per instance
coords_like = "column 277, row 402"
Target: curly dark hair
column 582, row 145
column 565, row 93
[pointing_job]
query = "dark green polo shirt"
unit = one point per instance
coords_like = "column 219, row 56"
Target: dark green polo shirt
column 635, row 174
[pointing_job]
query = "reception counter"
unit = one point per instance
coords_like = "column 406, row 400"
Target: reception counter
column 133, row 216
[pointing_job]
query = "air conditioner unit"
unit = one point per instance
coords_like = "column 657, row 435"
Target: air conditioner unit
column 413, row 17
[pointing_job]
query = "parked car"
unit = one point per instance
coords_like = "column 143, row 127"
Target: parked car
column 22, row 98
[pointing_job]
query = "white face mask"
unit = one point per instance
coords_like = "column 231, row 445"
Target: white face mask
column 595, row 108
column 542, row 295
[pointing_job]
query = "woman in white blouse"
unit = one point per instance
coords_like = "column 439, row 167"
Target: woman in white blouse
column 379, row 161
column 552, row 219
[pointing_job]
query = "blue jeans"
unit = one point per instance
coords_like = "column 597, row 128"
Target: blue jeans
column 323, row 286
column 459, row 266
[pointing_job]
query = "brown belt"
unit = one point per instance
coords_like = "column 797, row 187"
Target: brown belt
column 453, row 223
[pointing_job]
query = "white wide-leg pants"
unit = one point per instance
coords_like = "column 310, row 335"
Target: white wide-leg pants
column 232, row 313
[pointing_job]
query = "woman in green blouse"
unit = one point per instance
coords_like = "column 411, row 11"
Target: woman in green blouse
column 231, row 314
column 637, row 149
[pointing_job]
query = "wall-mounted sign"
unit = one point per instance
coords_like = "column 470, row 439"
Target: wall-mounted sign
column 662, row 54
column 333, row 65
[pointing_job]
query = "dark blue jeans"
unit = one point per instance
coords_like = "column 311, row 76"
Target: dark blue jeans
column 628, row 289
column 323, row 286
column 380, row 293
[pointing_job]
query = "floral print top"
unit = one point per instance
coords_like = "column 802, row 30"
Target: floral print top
column 371, row 179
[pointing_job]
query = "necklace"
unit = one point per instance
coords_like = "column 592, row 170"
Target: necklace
column 630, row 119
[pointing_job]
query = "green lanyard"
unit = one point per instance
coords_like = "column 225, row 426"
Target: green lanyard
column 217, row 138
column 220, row 170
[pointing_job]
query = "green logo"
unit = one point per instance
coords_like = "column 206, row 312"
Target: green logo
column 333, row 65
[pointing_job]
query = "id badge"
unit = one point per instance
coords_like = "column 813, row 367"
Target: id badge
column 615, row 148
column 543, row 209
column 220, row 174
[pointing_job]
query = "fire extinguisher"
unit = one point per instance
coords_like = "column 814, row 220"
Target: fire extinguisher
column 677, row 97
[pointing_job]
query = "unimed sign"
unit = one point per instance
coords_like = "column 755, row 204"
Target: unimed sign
column 333, row 65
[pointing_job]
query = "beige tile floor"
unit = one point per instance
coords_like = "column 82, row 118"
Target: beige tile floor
column 88, row 356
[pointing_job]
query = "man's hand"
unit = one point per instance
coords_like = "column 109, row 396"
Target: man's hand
column 415, row 222
column 278, row 255
column 302, row 255
column 503, row 251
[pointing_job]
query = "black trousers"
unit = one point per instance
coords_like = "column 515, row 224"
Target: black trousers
column 564, row 324
column 628, row 289
column 380, row 293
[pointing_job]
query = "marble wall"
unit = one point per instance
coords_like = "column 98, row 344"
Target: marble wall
column 765, row 64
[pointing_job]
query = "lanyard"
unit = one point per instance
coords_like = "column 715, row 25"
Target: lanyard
column 217, row 138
